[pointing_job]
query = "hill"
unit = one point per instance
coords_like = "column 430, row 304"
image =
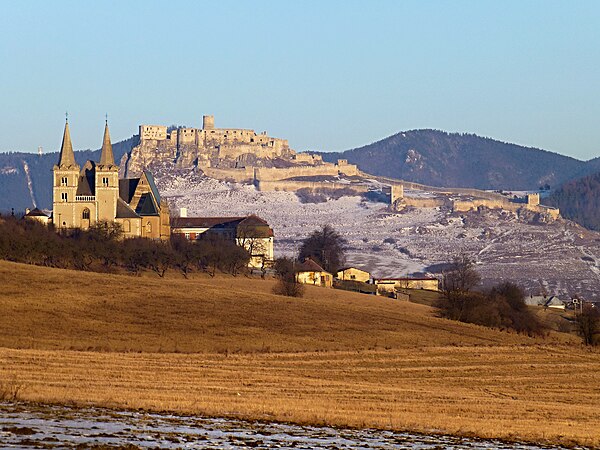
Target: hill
column 89, row 311
column 437, row 158
column 579, row 200
column 228, row 347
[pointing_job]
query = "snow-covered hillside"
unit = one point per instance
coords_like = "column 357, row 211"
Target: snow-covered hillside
column 560, row 257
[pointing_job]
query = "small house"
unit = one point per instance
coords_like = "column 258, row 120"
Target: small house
column 37, row 214
column 387, row 286
column 353, row 274
column 555, row 303
column 309, row 272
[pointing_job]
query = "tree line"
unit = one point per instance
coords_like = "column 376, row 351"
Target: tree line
column 101, row 248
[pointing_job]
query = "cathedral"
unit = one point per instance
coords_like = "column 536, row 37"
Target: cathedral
column 84, row 196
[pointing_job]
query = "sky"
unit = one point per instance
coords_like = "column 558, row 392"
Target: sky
column 326, row 75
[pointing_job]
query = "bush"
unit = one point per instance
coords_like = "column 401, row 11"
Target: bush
column 286, row 278
column 503, row 307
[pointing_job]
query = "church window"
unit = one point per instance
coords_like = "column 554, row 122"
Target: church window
column 126, row 226
column 105, row 181
column 148, row 228
column 64, row 181
column 64, row 197
column 85, row 214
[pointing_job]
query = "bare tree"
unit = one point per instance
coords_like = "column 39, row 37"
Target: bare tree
column 326, row 247
column 588, row 323
column 460, row 276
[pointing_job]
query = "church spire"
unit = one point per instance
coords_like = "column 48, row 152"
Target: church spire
column 107, row 158
column 67, row 157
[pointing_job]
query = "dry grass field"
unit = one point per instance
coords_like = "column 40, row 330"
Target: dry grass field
column 227, row 347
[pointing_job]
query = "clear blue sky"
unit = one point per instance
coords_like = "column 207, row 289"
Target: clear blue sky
column 327, row 75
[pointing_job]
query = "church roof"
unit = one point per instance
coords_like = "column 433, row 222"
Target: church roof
column 127, row 188
column 67, row 157
column 106, row 157
column 124, row 211
column 147, row 206
column 86, row 184
column 152, row 184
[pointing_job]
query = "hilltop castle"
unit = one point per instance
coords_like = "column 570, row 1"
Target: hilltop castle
column 84, row 196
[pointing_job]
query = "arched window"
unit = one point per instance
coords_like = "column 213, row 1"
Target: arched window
column 126, row 226
column 148, row 228
column 85, row 214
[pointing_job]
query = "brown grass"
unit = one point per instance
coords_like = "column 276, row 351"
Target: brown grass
column 345, row 359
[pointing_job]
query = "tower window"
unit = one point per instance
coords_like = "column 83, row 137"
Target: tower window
column 85, row 214
column 64, row 197
column 64, row 181
column 105, row 181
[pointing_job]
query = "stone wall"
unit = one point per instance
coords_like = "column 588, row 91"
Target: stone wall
column 293, row 186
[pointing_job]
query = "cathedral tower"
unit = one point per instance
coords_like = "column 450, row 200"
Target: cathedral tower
column 107, row 181
column 66, row 174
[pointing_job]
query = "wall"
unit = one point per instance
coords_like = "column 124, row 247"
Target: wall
column 293, row 186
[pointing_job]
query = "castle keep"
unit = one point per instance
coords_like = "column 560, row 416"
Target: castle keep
column 84, row 196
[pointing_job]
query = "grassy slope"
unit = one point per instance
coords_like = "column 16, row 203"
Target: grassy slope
column 346, row 359
column 58, row 309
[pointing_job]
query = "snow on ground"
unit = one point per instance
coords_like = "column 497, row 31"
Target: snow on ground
column 562, row 257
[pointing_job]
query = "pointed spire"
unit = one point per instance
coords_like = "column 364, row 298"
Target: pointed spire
column 67, row 157
column 107, row 158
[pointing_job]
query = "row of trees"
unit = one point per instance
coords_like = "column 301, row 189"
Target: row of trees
column 503, row 306
column 101, row 249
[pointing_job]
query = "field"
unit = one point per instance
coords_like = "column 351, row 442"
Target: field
column 228, row 347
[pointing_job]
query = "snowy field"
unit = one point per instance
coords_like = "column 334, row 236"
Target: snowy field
column 561, row 257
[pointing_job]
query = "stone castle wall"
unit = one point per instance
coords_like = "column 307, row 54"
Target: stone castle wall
column 293, row 186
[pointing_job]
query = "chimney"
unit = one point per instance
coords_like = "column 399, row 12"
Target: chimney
column 182, row 212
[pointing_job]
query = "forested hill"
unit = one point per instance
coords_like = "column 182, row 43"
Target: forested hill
column 26, row 178
column 579, row 200
column 461, row 160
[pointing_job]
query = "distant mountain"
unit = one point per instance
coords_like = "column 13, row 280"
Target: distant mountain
column 579, row 201
column 445, row 159
column 26, row 178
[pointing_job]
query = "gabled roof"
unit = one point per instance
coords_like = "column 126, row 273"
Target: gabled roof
column 86, row 184
column 205, row 222
column 152, row 185
column 36, row 212
column 146, row 206
column 554, row 301
column 124, row 211
column 127, row 188
column 309, row 266
column 352, row 267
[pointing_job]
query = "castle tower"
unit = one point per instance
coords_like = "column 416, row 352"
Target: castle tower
column 533, row 199
column 208, row 122
column 397, row 193
column 107, row 181
column 66, row 174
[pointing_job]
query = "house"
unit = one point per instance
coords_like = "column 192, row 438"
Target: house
column 37, row 214
column 353, row 274
column 85, row 196
column 387, row 286
column 250, row 232
column 555, row 303
column 309, row 272
column 536, row 300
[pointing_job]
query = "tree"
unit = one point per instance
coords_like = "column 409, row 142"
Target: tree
column 326, row 247
column 588, row 323
column 460, row 276
column 286, row 278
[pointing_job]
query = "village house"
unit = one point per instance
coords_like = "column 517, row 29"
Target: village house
column 250, row 232
column 353, row 274
column 309, row 272
column 37, row 214
column 85, row 196
column 387, row 286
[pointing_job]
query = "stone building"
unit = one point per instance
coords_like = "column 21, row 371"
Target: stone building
column 250, row 232
column 84, row 196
